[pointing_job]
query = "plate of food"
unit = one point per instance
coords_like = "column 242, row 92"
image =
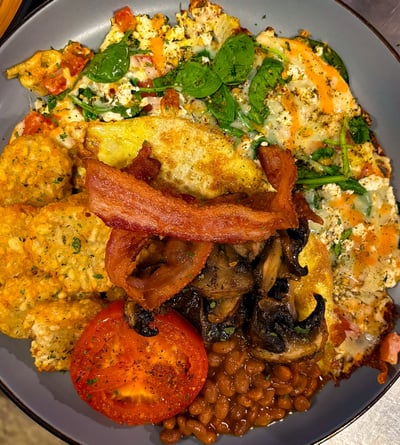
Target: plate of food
column 200, row 226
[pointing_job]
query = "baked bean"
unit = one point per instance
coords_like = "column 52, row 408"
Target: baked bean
column 282, row 372
column 252, row 414
column 234, row 360
column 241, row 381
column 206, row 415
column 263, row 418
column 237, row 411
column 242, row 392
column 221, row 407
column 282, row 388
column 245, row 401
column 223, row 347
column 261, row 381
column 299, row 384
column 221, row 427
column 170, row 436
column 225, row 384
column 240, row 427
column 182, row 425
column 197, row 406
column 311, row 387
column 277, row 413
column 254, row 366
column 201, row 432
column 284, row 402
column 255, row 393
column 301, row 403
column 214, row 359
column 169, row 424
column 268, row 397
column 210, row 392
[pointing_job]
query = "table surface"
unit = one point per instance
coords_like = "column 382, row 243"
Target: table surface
column 378, row 426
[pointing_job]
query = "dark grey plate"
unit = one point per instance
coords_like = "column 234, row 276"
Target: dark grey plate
column 375, row 72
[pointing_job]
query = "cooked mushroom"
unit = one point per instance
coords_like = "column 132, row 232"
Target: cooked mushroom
column 278, row 337
column 139, row 319
column 268, row 268
column 225, row 275
column 196, row 309
column 293, row 242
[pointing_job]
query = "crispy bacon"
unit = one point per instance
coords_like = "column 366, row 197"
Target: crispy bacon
column 122, row 249
column 181, row 262
column 143, row 166
column 281, row 172
column 124, row 202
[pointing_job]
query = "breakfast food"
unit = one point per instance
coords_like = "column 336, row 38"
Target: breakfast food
column 216, row 197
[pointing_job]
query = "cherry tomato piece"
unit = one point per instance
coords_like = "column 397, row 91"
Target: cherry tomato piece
column 125, row 19
column 134, row 379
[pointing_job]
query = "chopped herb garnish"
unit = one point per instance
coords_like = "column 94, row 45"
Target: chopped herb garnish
column 76, row 244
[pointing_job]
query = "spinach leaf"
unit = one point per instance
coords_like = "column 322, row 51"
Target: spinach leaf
column 197, row 79
column 160, row 84
column 234, row 60
column 328, row 54
column 266, row 78
column 223, row 106
column 111, row 64
column 322, row 153
column 359, row 130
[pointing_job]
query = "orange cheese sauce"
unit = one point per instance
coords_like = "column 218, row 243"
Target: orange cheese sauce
column 325, row 78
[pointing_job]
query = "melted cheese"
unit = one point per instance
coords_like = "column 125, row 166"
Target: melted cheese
column 310, row 107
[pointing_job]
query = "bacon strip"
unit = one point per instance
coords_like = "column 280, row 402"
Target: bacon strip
column 281, row 172
column 124, row 202
column 182, row 261
column 122, row 249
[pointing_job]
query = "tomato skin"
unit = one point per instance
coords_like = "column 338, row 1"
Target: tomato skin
column 125, row 19
column 35, row 122
column 133, row 379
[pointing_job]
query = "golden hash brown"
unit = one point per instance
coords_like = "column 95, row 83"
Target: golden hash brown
column 34, row 170
column 68, row 242
column 19, row 295
column 55, row 327
column 15, row 221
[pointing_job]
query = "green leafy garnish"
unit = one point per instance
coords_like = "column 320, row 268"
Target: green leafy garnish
column 337, row 248
column 93, row 111
column 234, row 60
column 313, row 174
column 111, row 64
column 359, row 130
column 76, row 245
column 197, row 79
column 223, row 106
column 266, row 78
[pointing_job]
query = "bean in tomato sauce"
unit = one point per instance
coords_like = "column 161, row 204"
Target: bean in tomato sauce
column 242, row 392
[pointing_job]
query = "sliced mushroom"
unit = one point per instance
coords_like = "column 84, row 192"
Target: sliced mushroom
column 196, row 309
column 221, row 309
column 225, row 275
column 293, row 242
column 139, row 319
column 278, row 337
column 269, row 265
column 250, row 250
